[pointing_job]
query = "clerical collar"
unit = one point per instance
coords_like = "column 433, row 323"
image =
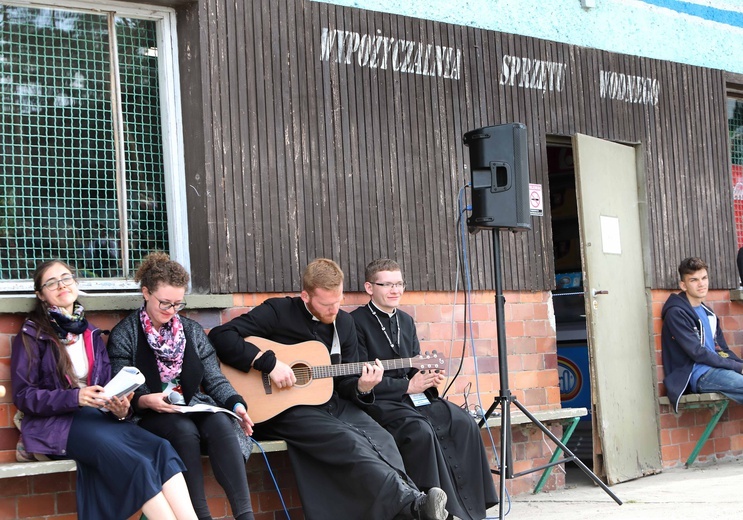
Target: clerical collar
column 376, row 308
column 373, row 309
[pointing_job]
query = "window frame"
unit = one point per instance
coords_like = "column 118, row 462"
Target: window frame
column 733, row 90
column 172, row 130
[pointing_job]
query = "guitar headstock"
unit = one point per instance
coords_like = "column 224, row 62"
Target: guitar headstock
column 428, row 361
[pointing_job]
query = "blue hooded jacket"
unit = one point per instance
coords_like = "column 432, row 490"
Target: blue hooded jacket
column 682, row 345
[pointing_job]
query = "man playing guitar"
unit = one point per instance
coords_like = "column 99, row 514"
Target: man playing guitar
column 347, row 466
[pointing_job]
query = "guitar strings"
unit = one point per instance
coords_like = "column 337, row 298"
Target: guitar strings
column 305, row 373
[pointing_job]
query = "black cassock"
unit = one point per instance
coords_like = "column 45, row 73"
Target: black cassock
column 347, row 466
column 440, row 443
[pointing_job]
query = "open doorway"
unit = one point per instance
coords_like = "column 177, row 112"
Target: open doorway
column 568, row 297
column 599, row 246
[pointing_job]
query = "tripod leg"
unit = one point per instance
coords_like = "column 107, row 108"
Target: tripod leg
column 557, row 441
column 505, row 451
column 487, row 415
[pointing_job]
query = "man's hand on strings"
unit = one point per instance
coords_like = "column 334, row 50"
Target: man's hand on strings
column 371, row 376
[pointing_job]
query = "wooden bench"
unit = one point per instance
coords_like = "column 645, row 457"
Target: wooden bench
column 569, row 417
column 718, row 403
column 26, row 469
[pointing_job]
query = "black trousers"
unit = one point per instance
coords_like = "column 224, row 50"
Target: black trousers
column 211, row 434
column 441, row 446
column 347, row 466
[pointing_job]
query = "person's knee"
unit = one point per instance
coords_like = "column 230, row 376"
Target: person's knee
column 416, row 431
column 217, row 428
column 468, row 425
column 188, row 438
column 180, row 433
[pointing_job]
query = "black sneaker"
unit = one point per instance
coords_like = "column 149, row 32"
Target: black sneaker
column 432, row 505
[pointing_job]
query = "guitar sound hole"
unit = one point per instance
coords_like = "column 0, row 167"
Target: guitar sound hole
column 303, row 373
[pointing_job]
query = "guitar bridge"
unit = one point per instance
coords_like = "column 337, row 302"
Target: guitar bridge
column 266, row 384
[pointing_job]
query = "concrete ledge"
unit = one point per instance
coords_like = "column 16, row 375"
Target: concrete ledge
column 269, row 446
column 24, row 303
column 27, row 469
column 694, row 398
column 542, row 416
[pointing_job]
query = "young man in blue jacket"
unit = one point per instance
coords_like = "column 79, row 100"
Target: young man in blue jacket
column 695, row 353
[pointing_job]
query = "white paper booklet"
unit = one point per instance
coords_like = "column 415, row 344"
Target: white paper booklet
column 124, row 383
column 205, row 408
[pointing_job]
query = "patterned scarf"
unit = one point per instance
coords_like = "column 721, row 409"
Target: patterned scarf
column 68, row 326
column 168, row 344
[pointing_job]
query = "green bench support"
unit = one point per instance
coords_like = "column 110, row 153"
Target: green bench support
column 567, row 432
column 718, row 403
column 569, row 417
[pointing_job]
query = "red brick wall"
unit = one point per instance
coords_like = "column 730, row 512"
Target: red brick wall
column 39, row 497
column 532, row 362
column 679, row 434
column 10, row 324
column 53, row 496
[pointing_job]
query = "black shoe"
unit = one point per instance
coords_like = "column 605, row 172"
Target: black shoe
column 432, row 505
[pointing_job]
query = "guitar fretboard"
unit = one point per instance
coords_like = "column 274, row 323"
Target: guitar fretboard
column 346, row 369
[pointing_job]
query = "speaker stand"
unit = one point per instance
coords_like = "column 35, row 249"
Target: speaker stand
column 505, row 399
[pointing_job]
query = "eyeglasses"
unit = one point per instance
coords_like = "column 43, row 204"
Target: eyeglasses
column 65, row 281
column 390, row 285
column 166, row 306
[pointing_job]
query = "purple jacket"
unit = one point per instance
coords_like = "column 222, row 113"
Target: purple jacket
column 48, row 405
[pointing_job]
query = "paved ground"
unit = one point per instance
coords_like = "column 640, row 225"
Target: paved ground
column 708, row 492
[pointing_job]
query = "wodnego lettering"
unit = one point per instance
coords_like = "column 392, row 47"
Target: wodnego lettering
column 627, row 88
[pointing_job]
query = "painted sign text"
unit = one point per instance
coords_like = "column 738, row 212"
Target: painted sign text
column 386, row 52
column 630, row 89
column 530, row 73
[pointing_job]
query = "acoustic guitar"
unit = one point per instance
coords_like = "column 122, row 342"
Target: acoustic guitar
column 310, row 362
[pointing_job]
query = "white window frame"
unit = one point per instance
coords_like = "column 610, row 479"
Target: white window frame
column 172, row 129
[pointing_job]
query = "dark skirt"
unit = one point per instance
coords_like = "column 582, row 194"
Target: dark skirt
column 120, row 466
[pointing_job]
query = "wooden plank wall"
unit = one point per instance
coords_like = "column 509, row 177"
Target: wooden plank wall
column 308, row 155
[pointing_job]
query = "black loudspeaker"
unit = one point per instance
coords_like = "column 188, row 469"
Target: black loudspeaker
column 500, row 178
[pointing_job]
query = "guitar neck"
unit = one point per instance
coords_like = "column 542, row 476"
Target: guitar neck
column 346, row 369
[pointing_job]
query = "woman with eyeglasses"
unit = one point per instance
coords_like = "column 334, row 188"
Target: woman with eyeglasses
column 181, row 368
column 59, row 365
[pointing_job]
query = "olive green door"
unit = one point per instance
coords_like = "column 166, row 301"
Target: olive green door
column 617, row 314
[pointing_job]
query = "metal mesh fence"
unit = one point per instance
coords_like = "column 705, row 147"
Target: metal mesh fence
column 58, row 171
column 735, row 127
column 138, row 68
